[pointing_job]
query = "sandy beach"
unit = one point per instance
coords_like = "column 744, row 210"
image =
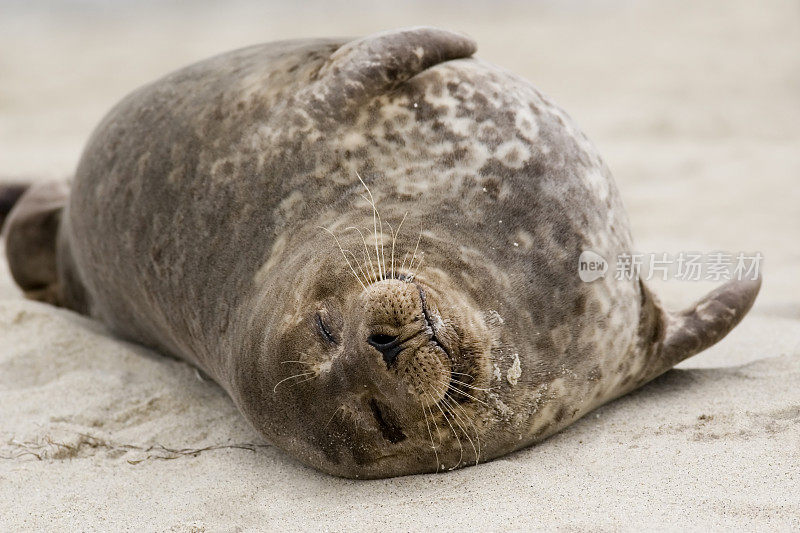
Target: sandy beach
column 696, row 111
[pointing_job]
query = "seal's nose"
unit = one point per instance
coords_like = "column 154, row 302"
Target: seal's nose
column 394, row 320
column 389, row 346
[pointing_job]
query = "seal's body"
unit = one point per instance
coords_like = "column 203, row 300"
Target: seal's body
column 371, row 245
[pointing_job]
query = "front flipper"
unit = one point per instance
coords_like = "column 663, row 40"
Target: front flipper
column 667, row 338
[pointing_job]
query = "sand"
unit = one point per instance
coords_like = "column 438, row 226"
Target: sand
column 696, row 111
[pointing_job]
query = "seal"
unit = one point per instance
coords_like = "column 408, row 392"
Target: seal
column 370, row 244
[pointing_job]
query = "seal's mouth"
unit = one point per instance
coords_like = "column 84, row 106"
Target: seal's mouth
column 433, row 325
column 430, row 323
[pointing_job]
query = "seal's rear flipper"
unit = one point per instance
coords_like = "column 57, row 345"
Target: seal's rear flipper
column 30, row 233
column 378, row 63
column 669, row 338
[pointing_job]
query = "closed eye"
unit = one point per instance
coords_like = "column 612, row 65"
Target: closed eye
column 324, row 331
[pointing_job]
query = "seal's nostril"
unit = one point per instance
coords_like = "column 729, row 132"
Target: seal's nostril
column 381, row 340
column 390, row 429
column 388, row 345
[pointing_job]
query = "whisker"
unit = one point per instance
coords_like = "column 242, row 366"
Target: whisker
column 366, row 252
column 383, row 252
column 438, row 434
column 304, row 374
column 449, row 403
column 451, row 387
column 474, row 427
column 415, row 251
column 458, row 439
column 468, row 395
column 375, row 219
column 468, row 385
column 472, row 423
column 403, row 266
column 421, row 259
column 435, row 425
column 367, row 267
column 355, row 260
column 433, row 446
column 304, row 380
column 394, row 238
column 335, row 412
column 380, row 257
column 391, row 264
column 344, row 255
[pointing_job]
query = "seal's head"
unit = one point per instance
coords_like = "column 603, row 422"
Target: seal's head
column 379, row 371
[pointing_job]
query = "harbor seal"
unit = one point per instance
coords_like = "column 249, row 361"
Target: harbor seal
column 370, row 244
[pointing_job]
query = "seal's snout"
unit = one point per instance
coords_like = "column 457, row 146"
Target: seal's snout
column 399, row 334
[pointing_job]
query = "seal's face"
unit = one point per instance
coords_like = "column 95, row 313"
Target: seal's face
column 387, row 375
